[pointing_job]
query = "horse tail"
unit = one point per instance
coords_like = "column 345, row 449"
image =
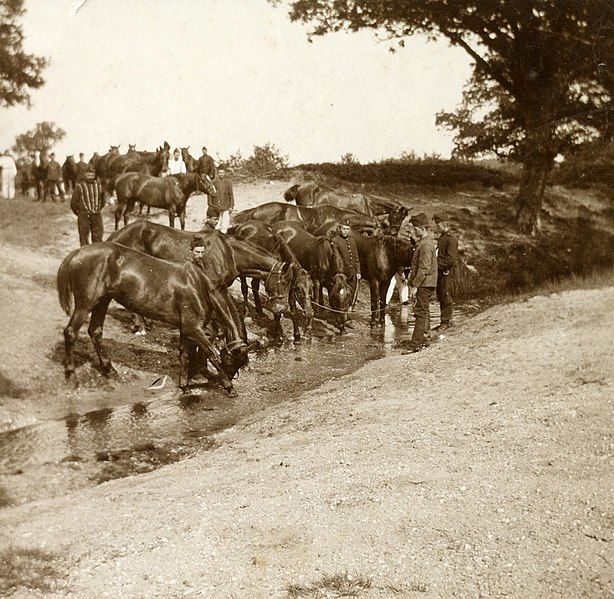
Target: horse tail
column 64, row 285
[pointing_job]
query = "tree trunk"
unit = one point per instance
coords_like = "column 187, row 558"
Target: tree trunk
column 538, row 163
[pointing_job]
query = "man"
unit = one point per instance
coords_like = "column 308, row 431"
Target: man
column 196, row 357
column 447, row 266
column 205, row 165
column 176, row 165
column 53, row 182
column 8, row 171
column 223, row 202
column 422, row 281
column 87, row 203
column 346, row 245
column 81, row 168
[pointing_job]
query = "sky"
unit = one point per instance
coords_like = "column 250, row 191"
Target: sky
column 231, row 74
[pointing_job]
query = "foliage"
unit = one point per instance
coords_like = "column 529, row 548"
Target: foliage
column 592, row 165
column 19, row 71
column 419, row 172
column 41, row 138
column 543, row 72
column 264, row 161
column 348, row 158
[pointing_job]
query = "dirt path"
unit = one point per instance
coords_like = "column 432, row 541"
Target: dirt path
column 481, row 467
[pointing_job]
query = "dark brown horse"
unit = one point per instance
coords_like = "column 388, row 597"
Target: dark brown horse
column 380, row 258
column 69, row 174
column 316, row 194
column 325, row 265
column 301, row 288
column 224, row 262
column 312, row 217
column 190, row 162
column 102, row 165
column 189, row 183
column 177, row 293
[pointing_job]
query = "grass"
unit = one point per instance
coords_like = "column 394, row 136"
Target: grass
column 32, row 569
column 331, row 586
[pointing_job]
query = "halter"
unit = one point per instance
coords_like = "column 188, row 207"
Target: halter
column 272, row 272
column 231, row 345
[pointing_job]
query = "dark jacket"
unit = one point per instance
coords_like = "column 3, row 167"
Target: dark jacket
column 54, row 171
column 206, row 166
column 224, row 199
column 349, row 252
column 447, row 251
column 424, row 264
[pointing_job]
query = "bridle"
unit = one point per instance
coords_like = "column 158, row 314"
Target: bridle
column 279, row 274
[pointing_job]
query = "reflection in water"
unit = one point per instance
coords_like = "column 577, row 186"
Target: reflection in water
column 182, row 420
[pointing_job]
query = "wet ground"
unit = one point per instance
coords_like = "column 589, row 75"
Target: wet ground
column 145, row 429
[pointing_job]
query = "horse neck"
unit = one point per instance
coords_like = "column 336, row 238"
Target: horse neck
column 250, row 258
column 396, row 250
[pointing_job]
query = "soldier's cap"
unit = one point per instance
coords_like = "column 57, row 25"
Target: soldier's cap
column 90, row 169
column 419, row 220
column 197, row 242
column 440, row 217
column 345, row 222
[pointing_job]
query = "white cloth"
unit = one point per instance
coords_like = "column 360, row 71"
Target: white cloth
column 8, row 170
column 224, row 221
column 176, row 167
column 400, row 283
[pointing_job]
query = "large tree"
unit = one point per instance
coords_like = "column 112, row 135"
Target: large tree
column 40, row 139
column 20, row 72
column 542, row 65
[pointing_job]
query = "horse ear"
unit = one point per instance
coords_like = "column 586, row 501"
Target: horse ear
column 167, row 146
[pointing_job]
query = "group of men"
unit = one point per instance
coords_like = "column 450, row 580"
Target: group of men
column 433, row 272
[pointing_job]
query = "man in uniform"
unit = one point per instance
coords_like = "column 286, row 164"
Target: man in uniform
column 54, row 185
column 224, row 201
column 422, row 281
column 447, row 266
column 81, row 167
column 87, row 203
column 205, row 165
column 346, row 245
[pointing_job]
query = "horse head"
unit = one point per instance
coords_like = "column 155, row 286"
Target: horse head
column 395, row 219
column 291, row 193
column 204, row 184
column 234, row 356
column 340, row 299
column 114, row 149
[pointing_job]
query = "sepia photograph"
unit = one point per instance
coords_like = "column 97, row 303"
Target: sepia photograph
column 307, row 299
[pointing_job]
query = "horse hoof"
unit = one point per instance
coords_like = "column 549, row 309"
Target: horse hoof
column 232, row 392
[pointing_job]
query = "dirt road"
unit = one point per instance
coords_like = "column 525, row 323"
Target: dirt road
column 481, row 467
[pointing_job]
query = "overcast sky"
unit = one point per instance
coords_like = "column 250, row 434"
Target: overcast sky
column 230, row 74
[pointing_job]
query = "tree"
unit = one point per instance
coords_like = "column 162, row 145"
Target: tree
column 40, row 139
column 542, row 67
column 265, row 160
column 19, row 71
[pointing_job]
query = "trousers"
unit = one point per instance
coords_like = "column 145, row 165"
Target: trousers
column 422, row 314
column 446, row 289
column 90, row 223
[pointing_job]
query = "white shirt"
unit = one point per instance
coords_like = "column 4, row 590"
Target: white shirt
column 176, row 167
column 7, row 164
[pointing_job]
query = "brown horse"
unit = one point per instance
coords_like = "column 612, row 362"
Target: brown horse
column 315, row 194
column 301, row 288
column 312, row 216
column 325, row 265
column 177, row 293
column 190, row 162
column 148, row 163
column 224, row 262
column 380, row 258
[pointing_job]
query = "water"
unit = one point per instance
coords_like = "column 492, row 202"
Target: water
column 150, row 428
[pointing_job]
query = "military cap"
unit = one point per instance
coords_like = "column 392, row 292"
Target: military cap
column 197, row 242
column 440, row 217
column 419, row 220
column 345, row 222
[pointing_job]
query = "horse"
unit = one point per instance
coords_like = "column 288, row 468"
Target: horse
column 191, row 164
column 147, row 163
column 312, row 216
column 315, row 194
column 177, row 293
column 325, row 265
column 102, row 165
column 380, row 258
column 188, row 183
column 224, row 262
column 301, row 288
column 69, row 174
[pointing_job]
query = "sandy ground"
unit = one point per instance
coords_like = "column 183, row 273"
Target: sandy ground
column 480, row 467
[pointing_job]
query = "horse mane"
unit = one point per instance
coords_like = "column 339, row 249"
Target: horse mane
column 396, row 248
column 282, row 247
column 336, row 261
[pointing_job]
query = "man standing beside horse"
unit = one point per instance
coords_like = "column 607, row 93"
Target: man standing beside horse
column 422, row 281
column 447, row 266
column 346, row 245
column 223, row 202
column 87, row 203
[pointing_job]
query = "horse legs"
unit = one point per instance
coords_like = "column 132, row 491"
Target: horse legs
column 71, row 332
column 119, row 212
column 244, row 293
column 99, row 313
column 181, row 215
column 171, row 218
column 197, row 333
column 382, row 289
column 256, row 294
